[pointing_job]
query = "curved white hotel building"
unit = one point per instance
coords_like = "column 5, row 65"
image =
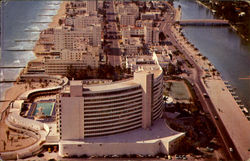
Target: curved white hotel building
column 117, row 118
column 105, row 109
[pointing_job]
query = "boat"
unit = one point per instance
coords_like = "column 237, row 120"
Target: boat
column 233, row 93
column 244, row 110
column 236, row 97
column 241, row 106
column 248, row 117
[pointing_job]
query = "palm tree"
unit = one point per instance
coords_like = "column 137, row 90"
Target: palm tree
column 60, row 22
column 204, row 58
column 170, row 85
column 4, row 145
column 8, row 134
column 11, row 140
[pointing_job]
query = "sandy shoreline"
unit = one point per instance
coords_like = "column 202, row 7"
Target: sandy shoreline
column 17, row 89
column 54, row 23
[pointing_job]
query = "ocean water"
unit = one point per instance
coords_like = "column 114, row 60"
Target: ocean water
column 17, row 17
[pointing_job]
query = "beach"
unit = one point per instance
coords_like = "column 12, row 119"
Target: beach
column 54, row 23
column 19, row 87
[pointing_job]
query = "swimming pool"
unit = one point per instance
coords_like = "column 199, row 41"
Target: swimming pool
column 47, row 108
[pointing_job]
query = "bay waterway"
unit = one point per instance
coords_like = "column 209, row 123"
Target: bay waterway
column 226, row 50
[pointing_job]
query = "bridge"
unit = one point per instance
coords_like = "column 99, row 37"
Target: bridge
column 203, row 22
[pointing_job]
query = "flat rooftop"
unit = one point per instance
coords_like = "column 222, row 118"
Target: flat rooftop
column 126, row 83
column 76, row 83
column 159, row 131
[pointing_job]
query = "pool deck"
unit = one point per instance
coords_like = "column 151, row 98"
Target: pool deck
column 33, row 108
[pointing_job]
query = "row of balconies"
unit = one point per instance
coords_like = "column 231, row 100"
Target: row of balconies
column 113, row 125
column 108, row 94
column 158, row 112
column 131, row 126
column 110, row 97
column 128, row 115
column 108, row 100
column 116, row 110
column 112, row 105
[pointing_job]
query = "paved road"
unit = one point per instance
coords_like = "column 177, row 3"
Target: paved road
column 113, row 50
column 206, row 103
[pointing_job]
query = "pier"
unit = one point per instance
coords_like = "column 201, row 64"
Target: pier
column 49, row 9
column 203, row 22
column 33, row 30
column 25, row 40
column 7, row 81
column 40, row 22
column 18, row 50
column 46, row 15
column 11, row 67
column 5, row 100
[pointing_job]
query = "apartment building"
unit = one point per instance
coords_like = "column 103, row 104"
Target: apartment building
column 128, row 9
column 126, row 20
column 65, row 38
column 81, row 22
column 151, row 35
column 91, row 5
column 78, row 59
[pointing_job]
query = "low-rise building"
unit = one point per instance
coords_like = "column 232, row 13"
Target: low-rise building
column 150, row 15
column 132, row 46
column 128, row 9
